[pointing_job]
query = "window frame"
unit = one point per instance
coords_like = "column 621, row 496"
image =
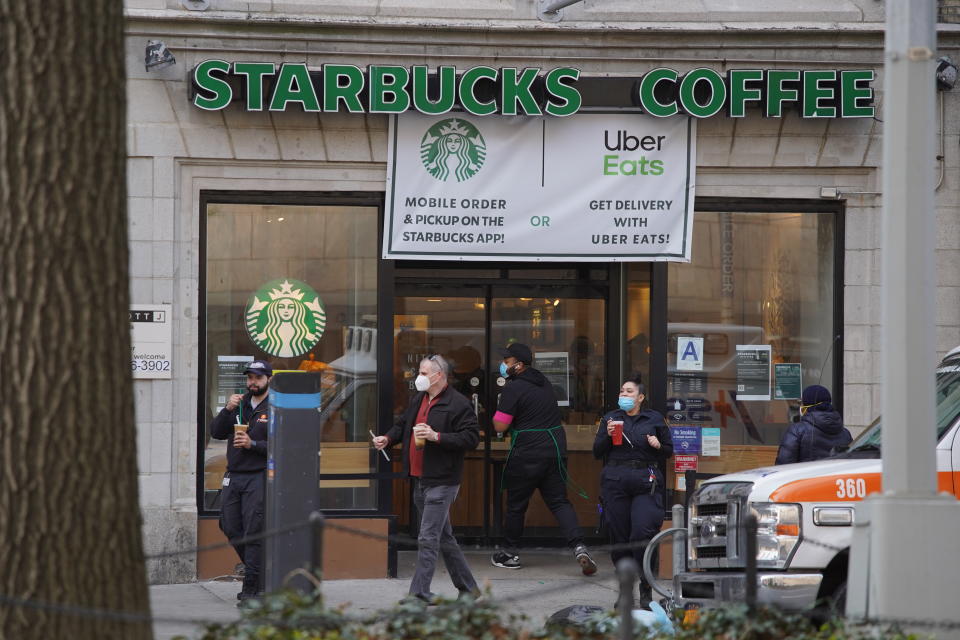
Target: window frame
column 659, row 301
column 384, row 314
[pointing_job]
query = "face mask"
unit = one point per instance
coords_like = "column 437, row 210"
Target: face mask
column 626, row 403
column 422, row 383
column 503, row 370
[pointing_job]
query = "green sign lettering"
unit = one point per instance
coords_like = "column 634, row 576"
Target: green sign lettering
column 467, row 97
column 718, row 93
column 516, row 90
column 294, row 85
column 564, row 99
column 205, row 81
column 648, row 99
column 855, row 88
column 388, row 89
column 334, row 92
column 777, row 94
column 448, row 90
column 814, row 92
column 740, row 94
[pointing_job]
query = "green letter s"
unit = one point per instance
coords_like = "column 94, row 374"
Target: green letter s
column 568, row 98
column 204, row 80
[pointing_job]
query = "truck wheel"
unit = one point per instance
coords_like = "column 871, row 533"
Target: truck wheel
column 831, row 607
column 838, row 600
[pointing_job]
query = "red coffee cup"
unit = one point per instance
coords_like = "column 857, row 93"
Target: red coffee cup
column 617, row 436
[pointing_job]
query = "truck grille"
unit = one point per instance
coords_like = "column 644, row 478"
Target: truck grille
column 712, row 532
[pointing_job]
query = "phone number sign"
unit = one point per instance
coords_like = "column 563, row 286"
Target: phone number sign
column 151, row 336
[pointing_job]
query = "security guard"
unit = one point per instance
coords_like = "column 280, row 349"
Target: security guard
column 241, row 510
column 631, row 478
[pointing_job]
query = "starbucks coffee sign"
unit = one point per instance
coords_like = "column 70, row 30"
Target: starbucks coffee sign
column 285, row 318
column 531, row 91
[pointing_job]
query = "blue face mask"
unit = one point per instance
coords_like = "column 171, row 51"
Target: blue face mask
column 626, row 403
column 503, row 370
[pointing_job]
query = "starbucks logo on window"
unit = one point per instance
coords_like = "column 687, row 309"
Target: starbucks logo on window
column 453, row 147
column 285, row 318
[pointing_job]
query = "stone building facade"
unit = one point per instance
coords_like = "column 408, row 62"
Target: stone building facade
column 177, row 151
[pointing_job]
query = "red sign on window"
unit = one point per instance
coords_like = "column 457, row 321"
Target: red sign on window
column 685, row 463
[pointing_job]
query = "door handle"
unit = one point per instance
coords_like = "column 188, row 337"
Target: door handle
column 476, row 404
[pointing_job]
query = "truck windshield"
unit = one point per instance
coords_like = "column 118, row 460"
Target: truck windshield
column 948, row 407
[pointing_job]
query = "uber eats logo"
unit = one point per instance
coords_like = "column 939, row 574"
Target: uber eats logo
column 453, row 147
column 285, row 318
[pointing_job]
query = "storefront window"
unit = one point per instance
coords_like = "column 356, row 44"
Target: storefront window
column 636, row 321
column 296, row 285
column 750, row 323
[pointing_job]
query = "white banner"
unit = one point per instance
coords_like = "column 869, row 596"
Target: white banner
column 611, row 186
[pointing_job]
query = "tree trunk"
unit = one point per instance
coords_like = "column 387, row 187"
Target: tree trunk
column 69, row 516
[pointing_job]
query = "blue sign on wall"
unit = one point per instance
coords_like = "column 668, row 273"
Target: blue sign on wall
column 685, row 439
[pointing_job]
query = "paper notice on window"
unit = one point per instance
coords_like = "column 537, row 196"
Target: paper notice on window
column 753, row 372
column 787, row 381
column 710, row 441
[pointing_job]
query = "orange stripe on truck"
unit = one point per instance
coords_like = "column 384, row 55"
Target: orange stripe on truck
column 847, row 487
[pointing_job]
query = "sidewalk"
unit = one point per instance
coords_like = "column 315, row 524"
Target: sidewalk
column 547, row 583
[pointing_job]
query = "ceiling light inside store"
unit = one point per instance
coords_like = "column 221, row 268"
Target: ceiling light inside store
column 556, row 302
column 279, row 219
column 434, row 299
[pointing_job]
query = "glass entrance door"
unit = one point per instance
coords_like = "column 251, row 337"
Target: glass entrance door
column 565, row 326
column 452, row 323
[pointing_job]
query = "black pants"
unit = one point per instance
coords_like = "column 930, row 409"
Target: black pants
column 632, row 513
column 521, row 478
column 241, row 515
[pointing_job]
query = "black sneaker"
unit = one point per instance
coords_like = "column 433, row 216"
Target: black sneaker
column 646, row 596
column 505, row 560
column 587, row 565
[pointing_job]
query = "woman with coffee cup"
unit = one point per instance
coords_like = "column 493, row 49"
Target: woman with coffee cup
column 633, row 442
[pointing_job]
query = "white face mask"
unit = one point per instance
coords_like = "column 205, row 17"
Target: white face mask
column 422, row 383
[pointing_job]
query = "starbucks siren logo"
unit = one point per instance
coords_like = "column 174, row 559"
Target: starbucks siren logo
column 453, row 146
column 285, row 318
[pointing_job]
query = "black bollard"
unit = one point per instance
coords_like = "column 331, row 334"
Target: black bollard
column 316, row 555
column 627, row 573
column 292, row 478
column 750, row 524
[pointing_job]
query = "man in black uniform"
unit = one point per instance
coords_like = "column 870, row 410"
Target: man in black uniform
column 241, row 510
column 537, row 458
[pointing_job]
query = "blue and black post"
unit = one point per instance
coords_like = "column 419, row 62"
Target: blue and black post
column 293, row 468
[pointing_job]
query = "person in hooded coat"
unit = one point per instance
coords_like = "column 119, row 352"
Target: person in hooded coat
column 818, row 434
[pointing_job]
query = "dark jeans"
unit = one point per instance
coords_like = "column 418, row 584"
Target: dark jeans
column 631, row 512
column 436, row 538
column 523, row 476
column 241, row 515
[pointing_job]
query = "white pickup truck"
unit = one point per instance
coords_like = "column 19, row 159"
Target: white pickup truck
column 804, row 513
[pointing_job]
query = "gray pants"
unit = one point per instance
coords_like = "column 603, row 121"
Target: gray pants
column 436, row 537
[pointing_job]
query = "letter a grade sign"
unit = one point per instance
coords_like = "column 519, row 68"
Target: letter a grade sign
column 612, row 186
column 689, row 354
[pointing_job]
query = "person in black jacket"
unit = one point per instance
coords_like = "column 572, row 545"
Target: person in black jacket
column 528, row 406
column 436, row 430
column 819, row 432
column 631, row 476
column 241, row 510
